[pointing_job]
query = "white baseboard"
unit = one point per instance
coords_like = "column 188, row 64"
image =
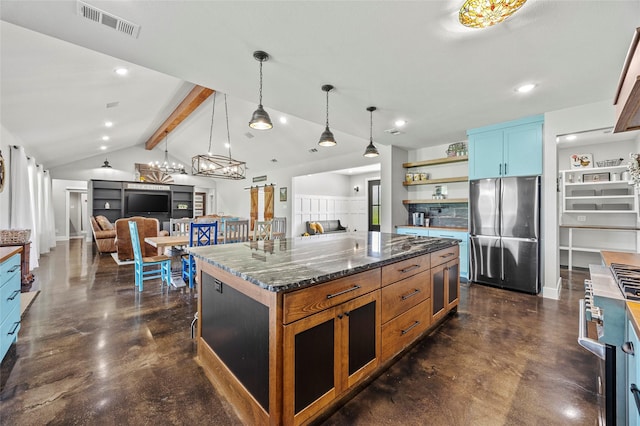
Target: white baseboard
column 62, row 238
column 553, row 293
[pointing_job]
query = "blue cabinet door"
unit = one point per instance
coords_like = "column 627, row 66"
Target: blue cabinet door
column 523, row 150
column 485, row 154
column 464, row 247
column 632, row 375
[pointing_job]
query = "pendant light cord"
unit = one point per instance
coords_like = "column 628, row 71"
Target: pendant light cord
column 260, row 82
column 226, row 113
column 213, row 110
column 371, row 126
column 327, row 123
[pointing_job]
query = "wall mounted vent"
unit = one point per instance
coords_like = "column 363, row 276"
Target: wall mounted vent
column 100, row 16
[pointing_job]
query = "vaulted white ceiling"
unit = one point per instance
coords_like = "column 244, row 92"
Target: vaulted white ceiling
column 412, row 60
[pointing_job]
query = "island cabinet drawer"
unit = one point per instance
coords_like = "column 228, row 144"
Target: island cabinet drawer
column 9, row 269
column 405, row 268
column 403, row 295
column 442, row 256
column 301, row 303
column 403, row 330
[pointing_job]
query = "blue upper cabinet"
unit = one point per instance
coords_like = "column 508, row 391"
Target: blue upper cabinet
column 507, row 149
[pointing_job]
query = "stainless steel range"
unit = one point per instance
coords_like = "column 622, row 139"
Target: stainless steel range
column 601, row 331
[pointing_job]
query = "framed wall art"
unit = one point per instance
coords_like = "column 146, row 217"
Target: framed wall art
column 581, row 161
column 283, row 194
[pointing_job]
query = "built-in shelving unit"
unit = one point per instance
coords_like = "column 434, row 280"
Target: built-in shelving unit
column 437, row 180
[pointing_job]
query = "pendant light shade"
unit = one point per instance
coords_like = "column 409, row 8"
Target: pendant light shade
column 326, row 138
column 260, row 120
column 371, row 150
column 486, row 13
column 106, row 164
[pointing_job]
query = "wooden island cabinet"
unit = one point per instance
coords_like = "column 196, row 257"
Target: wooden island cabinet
column 289, row 328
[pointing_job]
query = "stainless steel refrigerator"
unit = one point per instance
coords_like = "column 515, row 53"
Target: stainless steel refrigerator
column 504, row 232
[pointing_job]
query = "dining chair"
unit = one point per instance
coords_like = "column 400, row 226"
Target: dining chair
column 161, row 264
column 179, row 226
column 262, row 230
column 200, row 234
column 279, row 227
column 235, row 231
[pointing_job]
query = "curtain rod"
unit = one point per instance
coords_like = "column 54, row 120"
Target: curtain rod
column 260, row 186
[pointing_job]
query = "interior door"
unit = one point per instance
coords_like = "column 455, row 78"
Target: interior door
column 374, row 202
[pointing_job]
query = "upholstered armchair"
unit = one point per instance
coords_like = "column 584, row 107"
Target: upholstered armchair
column 104, row 234
column 147, row 227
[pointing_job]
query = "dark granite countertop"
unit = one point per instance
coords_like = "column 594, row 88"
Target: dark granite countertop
column 290, row 263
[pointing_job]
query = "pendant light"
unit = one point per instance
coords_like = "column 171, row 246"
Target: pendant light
column 165, row 167
column 106, row 164
column 326, row 138
column 486, row 13
column 371, row 150
column 260, row 120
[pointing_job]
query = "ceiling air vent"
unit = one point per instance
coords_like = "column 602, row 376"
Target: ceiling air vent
column 100, row 16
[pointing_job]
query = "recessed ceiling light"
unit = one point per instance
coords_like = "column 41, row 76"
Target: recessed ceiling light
column 103, row 147
column 525, row 88
column 227, row 145
column 283, row 120
column 571, row 137
column 108, row 124
column 400, row 123
column 105, row 138
column 121, row 71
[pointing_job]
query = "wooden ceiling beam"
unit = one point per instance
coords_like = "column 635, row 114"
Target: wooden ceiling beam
column 189, row 104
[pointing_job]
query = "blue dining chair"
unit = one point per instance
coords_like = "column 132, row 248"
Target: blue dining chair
column 161, row 263
column 200, row 234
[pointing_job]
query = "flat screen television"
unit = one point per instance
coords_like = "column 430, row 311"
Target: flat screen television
column 147, row 203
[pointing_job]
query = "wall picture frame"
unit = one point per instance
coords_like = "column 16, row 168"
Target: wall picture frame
column 581, row 161
column 283, row 194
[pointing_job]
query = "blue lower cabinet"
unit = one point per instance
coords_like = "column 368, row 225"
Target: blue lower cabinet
column 443, row 233
column 9, row 303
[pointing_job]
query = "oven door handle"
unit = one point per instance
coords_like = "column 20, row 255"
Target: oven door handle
column 593, row 346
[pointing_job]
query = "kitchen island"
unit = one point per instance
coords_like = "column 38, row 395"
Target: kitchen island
column 289, row 328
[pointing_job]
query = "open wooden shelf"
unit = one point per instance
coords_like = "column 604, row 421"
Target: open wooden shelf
column 436, row 181
column 445, row 160
column 440, row 201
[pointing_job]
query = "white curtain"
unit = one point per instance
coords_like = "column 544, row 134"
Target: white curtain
column 49, row 227
column 31, row 203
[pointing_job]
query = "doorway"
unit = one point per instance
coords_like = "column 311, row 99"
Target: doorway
column 76, row 214
column 373, row 202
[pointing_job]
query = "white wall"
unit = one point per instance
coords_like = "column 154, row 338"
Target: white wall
column 324, row 184
column 600, row 152
column 455, row 189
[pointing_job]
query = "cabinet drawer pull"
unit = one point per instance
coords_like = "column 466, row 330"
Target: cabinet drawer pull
column 446, row 236
column 444, row 256
column 331, row 296
column 409, row 268
column 13, row 295
column 413, row 293
column 634, row 390
column 15, row 327
column 406, row 330
column 15, row 267
column 627, row 348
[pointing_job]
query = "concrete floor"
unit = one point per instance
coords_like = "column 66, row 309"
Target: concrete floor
column 93, row 351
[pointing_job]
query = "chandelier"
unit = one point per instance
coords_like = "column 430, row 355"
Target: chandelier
column 485, row 13
column 218, row 166
column 165, row 167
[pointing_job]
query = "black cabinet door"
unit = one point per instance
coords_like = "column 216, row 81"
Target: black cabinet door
column 453, row 281
column 362, row 336
column 438, row 289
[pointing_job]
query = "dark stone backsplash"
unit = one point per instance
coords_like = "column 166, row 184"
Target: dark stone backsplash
column 442, row 214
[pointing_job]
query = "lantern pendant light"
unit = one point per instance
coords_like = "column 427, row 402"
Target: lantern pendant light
column 326, row 138
column 260, row 120
column 371, row 150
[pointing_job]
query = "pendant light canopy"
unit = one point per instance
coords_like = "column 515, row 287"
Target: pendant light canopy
column 371, row 150
column 326, row 138
column 260, row 120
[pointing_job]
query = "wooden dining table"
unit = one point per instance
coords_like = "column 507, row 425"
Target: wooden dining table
column 168, row 241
